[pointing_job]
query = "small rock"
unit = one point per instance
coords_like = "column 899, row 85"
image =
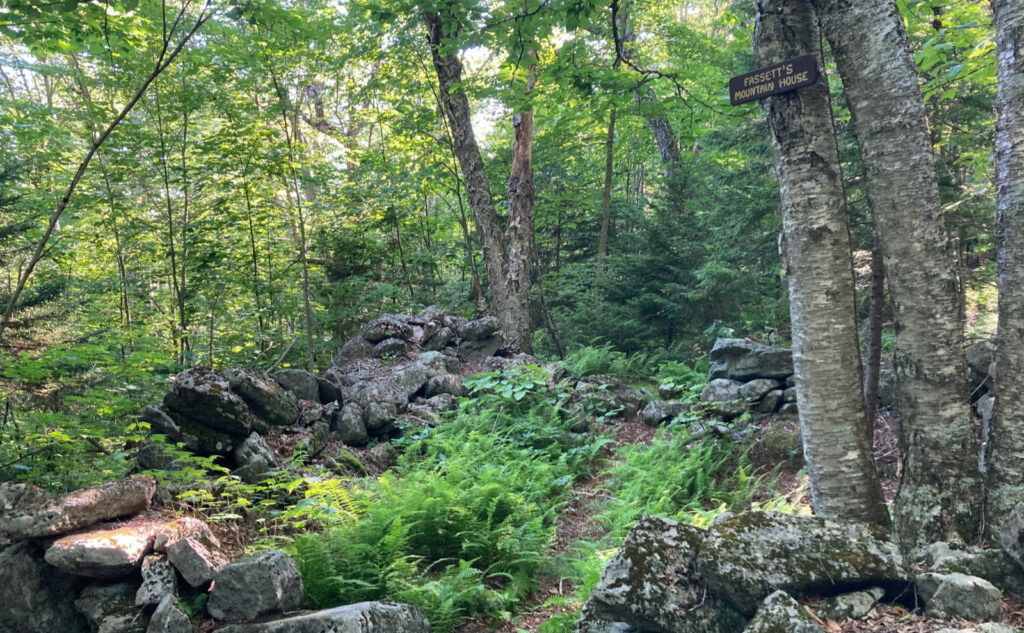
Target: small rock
column 255, row 449
column 789, row 395
column 254, row 585
column 363, row 617
column 780, row 612
column 167, row 534
column 355, row 348
column 756, row 389
column 410, row 380
column 771, row 401
column 439, row 339
column 724, row 394
column 316, row 441
column 328, row 391
column 430, row 314
column 265, row 396
column 101, row 553
column 476, row 351
column 380, row 416
column 443, row 402
column 994, row 565
column 298, row 381
column 169, row 618
column 480, row 329
column 158, row 581
column 658, row 411
column 951, row 596
column 34, row 515
column 788, row 408
column 449, row 384
column 394, row 326
column 854, row 605
column 103, row 602
column 390, row 347
column 350, row 425
column 196, row 559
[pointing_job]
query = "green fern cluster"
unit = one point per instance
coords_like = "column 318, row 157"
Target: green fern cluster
column 462, row 524
column 594, row 360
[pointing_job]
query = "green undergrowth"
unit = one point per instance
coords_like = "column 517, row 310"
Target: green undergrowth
column 461, row 525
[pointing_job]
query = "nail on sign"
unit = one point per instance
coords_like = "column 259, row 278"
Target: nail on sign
column 772, row 80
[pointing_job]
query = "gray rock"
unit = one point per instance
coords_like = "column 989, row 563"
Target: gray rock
column 15, row 496
column 316, row 441
column 439, row 339
column 312, row 412
column 158, row 581
column 612, row 395
column 743, row 360
column 35, row 597
column 658, row 411
column 193, row 435
column 650, row 583
column 255, row 449
column 390, row 347
column 855, row 605
column 380, row 416
column 756, row 389
column 32, row 514
column 205, row 396
column 449, row 383
column 790, row 381
column 299, row 382
column 264, row 395
column 394, row 326
column 442, row 402
column 410, row 380
column 384, row 390
column 589, row 622
column 724, row 394
column 477, row 350
column 748, row 556
column 479, row 330
column 363, row 617
column 430, row 314
column 103, row 552
column 788, row 408
column 771, row 401
column 196, row 559
column 169, row 533
column 350, row 425
column 985, row 406
column 111, row 608
column 951, row 596
column 455, row 321
column 355, row 348
column 789, row 395
column 254, row 585
column 994, row 565
column 780, row 612
column 1011, row 534
column 169, row 618
column 981, row 357
column 437, row 364
column 328, row 391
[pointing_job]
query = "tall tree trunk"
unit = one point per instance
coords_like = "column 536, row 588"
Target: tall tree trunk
column 940, row 491
column 606, row 193
column 876, row 312
column 508, row 268
column 817, row 259
column 1005, row 476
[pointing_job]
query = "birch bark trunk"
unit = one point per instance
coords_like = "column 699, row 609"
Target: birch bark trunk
column 844, row 483
column 940, row 491
column 1005, row 476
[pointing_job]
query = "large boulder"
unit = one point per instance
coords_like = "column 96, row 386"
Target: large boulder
column 959, row 596
column 383, row 390
column 363, row 617
column 743, row 360
column 658, row 411
column 355, row 348
column 746, row 557
column 388, row 326
column 299, row 382
column 194, row 436
column 265, row 396
column 476, row 351
column 205, row 396
column 780, row 612
column 35, row 597
column 32, row 514
column 254, row 585
column 994, row 565
column 759, row 387
column 651, row 583
column 108, row 552
column 479, row 330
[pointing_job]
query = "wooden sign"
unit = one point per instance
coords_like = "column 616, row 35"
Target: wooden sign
column 772, row 80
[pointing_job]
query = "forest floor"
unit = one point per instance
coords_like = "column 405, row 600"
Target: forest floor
column 577, row 523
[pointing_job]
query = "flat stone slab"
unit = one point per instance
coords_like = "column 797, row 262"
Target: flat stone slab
column 363, row 617
column 36, row 516
column 103, row 553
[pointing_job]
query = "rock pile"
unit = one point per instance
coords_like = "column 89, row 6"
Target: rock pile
column 72, row 570
column 401, row 370
column 744, row 573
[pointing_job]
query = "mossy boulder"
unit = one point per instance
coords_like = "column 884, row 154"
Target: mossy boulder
column 748, row 556
column 651, row 583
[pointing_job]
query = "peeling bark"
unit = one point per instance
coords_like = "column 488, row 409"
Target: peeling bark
column 826, row 354
column 1005, row 476
column 940, row 491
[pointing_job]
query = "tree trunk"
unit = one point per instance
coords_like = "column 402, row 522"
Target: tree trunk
column 606, row 197
column 876, row 312
column 940, row 491
column 1005, row 476
column 508, row 269
column 817, row 260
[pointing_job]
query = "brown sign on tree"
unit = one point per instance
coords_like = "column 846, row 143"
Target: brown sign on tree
column 771, row 80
